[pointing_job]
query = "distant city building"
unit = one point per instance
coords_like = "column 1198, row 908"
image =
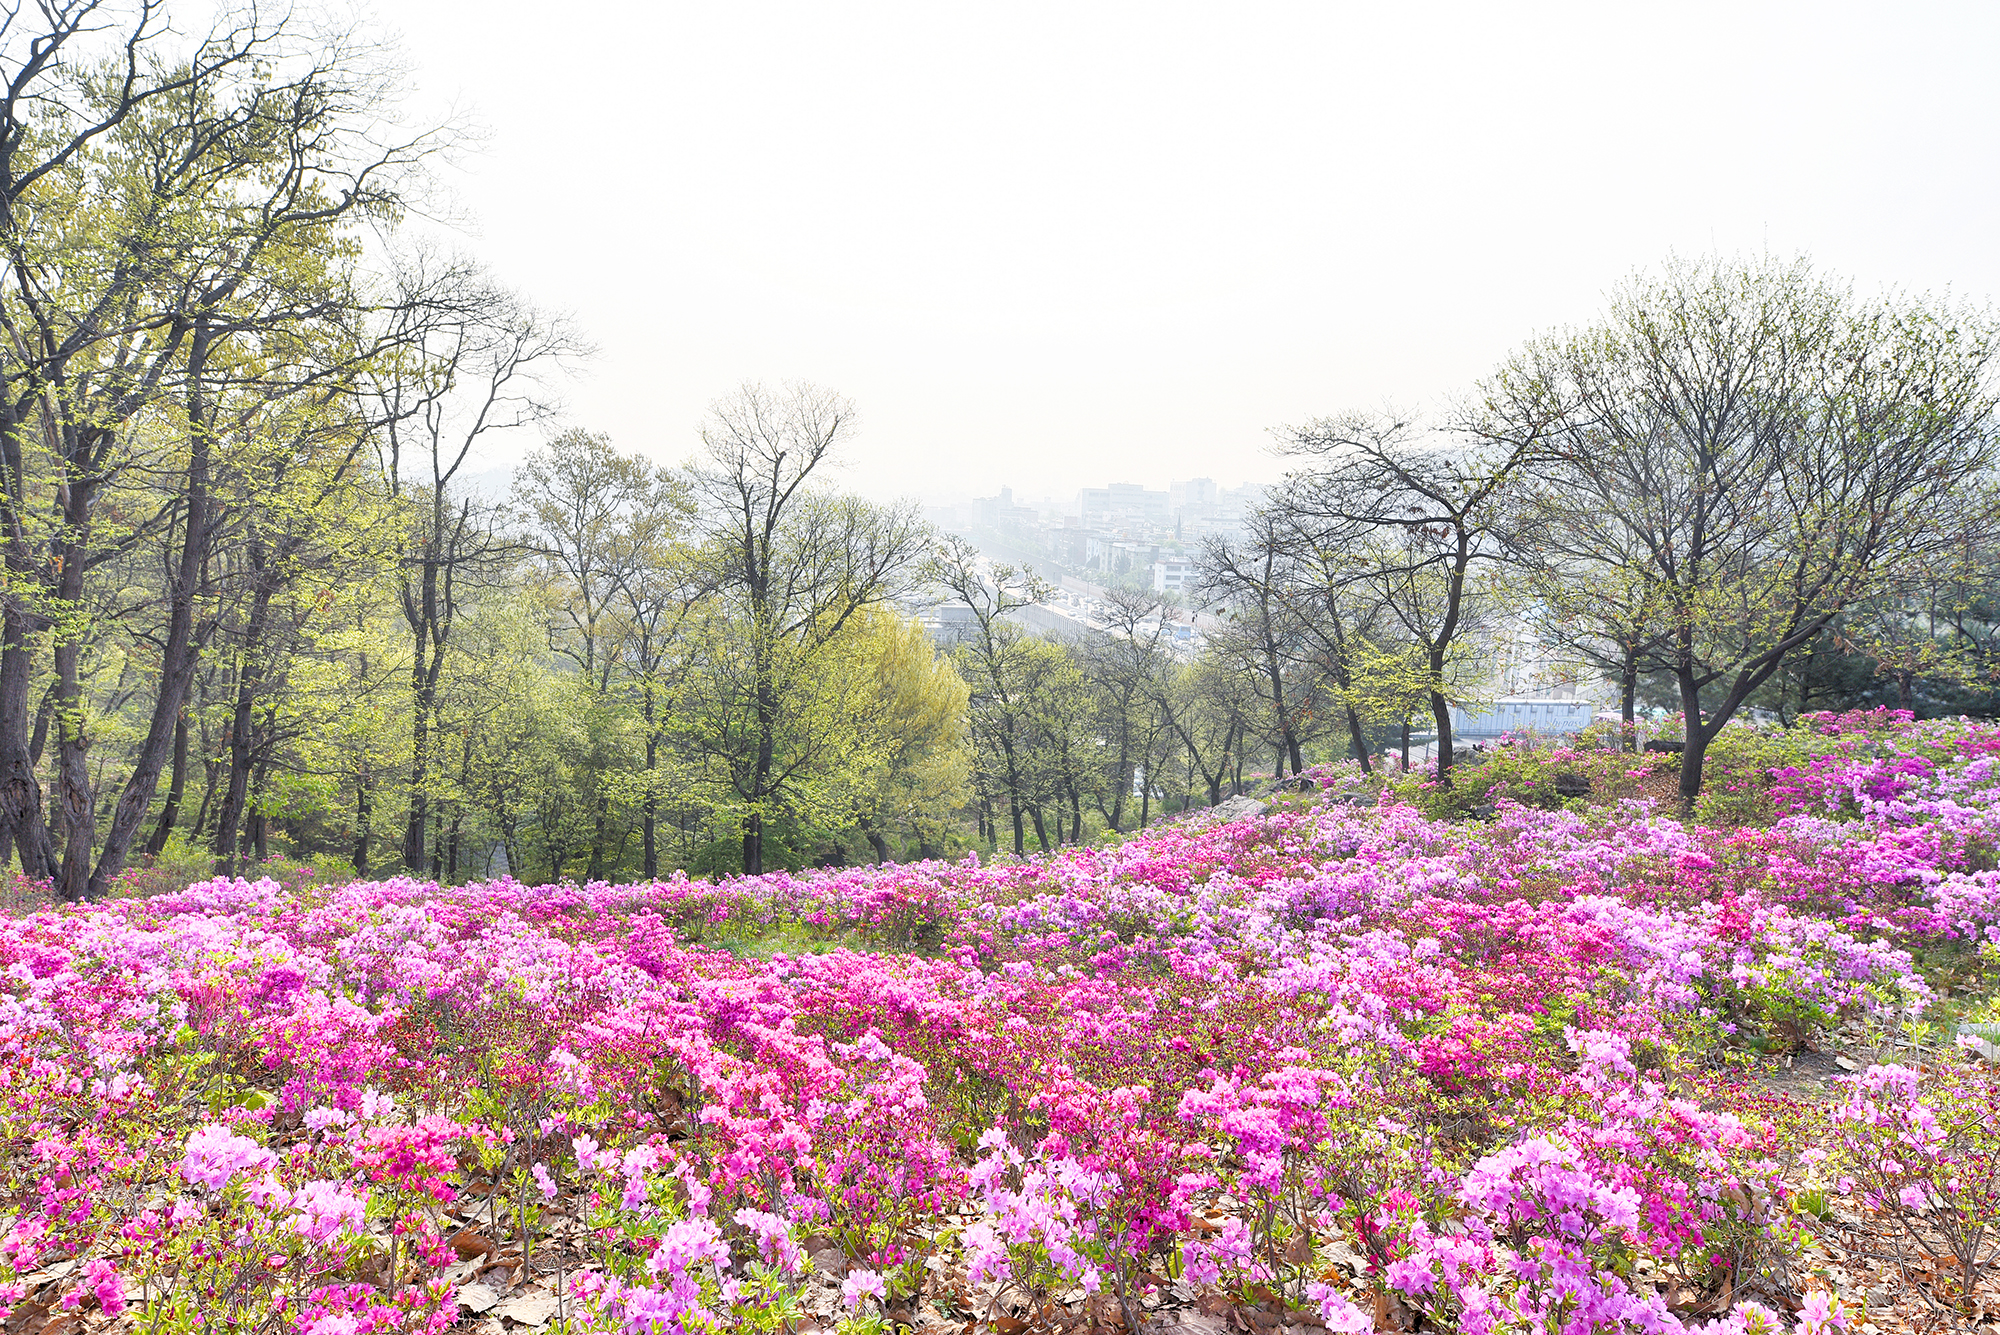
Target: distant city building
column 948, row 623
column 1123, row 503
column 1196, row 495
column 1001, row 512
column 1172, row 575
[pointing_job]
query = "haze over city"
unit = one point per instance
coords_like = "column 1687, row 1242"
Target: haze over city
column 1051, row 246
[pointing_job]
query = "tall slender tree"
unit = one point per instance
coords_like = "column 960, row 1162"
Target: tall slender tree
column 471, row 361
column 794, row 564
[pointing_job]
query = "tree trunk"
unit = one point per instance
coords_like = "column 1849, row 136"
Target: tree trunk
column 1358, row 738
column 21, row 807
column 259, row 821
column 76, row 803
column 510, row 843
column 1695, row 744
column 363, row 815
column 595, row 871
column 208, row 773
column 1123, row 784
column 458, row 809
column 1441, row 712
column 176, row 789
column 753, row 844
column 1628, row 692
column 437, row 842
column 20, row 789
column 649, row 813
column 1014, row 786
column 419, row 818
column 180, row 651
column 236, row 792
column 44, row 714
column 767, row 732
column 428, row 614
column 1214, row 779
column 876, row 842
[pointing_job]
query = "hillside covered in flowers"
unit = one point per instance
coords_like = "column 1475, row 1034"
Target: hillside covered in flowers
column 1355, row 1063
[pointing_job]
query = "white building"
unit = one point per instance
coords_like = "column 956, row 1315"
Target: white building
column 1517, row 714
column 1172, row 575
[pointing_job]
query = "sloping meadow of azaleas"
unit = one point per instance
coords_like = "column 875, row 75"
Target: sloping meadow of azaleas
column 1344, row 1060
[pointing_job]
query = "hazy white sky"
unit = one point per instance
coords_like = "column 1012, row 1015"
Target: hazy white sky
column 1057, row 245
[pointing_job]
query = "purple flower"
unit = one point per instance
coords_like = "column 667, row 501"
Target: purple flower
column 215, row 1154
column 860, row 1284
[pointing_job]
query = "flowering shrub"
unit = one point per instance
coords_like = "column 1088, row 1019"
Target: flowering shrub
column 1929, row 1162
column 1349, row 1060
column 1549, row 775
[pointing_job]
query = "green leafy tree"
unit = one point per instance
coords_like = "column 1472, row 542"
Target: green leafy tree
column 922, row 767
column 178, row 222
column 601, row 524
column 793, row 565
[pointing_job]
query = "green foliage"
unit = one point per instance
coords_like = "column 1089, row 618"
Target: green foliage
column 1530, row 775
column 175, row 867
column 1736, row 785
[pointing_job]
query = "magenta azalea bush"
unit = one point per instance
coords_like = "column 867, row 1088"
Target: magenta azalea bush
column 1351, row 1060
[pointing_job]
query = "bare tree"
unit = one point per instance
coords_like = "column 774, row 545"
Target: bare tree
column 1207, row 712
column 994, row 663
column 1763, row 449
column 1254, row 583
column 1341, row 610
column 1427, row 508
column 1130, row 663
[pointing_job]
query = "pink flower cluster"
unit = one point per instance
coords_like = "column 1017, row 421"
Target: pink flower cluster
column 1245, row 1053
